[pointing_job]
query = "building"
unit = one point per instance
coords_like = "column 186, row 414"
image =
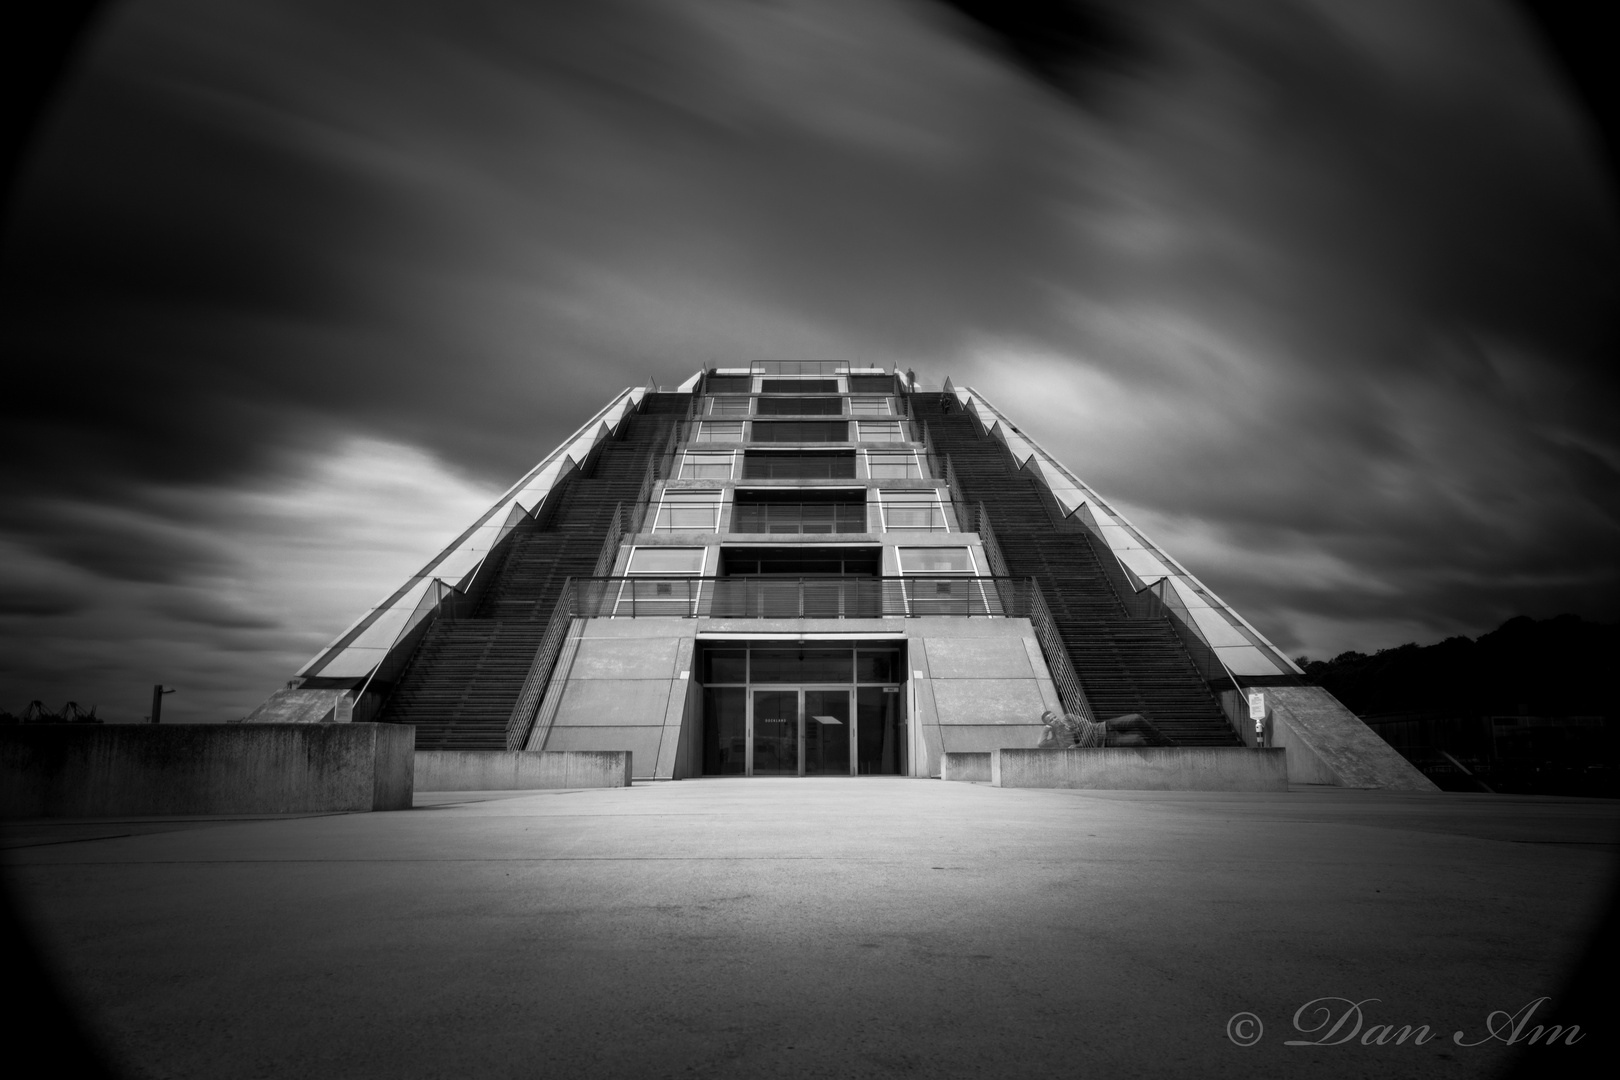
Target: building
column 810, row 569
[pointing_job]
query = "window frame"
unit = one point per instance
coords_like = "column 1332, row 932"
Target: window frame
column 688, row 455
column 914, row 460
column 935, row 503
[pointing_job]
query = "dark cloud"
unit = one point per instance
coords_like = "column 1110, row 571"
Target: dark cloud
column 1320, row 292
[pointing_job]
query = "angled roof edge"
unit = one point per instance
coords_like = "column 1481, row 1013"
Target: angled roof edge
column 533, row 487
column 1254, row 647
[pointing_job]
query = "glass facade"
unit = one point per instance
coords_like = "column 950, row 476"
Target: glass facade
column 827, row 710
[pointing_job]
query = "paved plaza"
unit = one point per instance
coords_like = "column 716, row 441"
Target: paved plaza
column 821, row 928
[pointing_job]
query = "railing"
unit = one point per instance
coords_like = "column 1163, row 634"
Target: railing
column 930, row 455
column 1057, row 655
column 992, row 546
column 898, row 431
column 651, row 596
column 439, row 600
column 610, row 544
column 714, row 515
column 799, row 518
column 518, row 725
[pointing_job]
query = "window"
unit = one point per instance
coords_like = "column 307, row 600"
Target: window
column 706, row 466
column 688, row 510
column 913, row 510
column 800, row 431
column 891, row 465
column 881, row 431
column 728, row 406
column 789, row 465
column 801, row 406
column 720, row 431
column 667, row 582
column 936, row 560
column 798, row 386
column 929, row 591
column 667, row 560
column 728, row 384
column 786, row 510
column 870, row 406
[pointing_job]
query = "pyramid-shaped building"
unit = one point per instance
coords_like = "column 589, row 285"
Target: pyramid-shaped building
column 812, row 569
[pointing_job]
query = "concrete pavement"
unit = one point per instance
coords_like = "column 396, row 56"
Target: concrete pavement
column 819, row 927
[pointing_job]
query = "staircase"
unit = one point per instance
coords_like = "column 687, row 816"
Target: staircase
column 461, row 685
column 1124, row 664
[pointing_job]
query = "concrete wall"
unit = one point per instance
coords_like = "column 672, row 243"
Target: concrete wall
column 1147, row 768
column 983, row 686
column 1326, row 743
column 622, row 685
column 522, row 770
column 126, row 770
column 965, row 766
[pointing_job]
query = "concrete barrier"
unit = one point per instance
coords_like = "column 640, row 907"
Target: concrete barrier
column 520, row 770
column 132, row 770
column 965, row 765
column 1143, row 768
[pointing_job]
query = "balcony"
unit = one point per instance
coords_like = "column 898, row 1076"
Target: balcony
column 640, row 597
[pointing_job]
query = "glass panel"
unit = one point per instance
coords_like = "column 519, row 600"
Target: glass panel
column 800, row 431
column 724, row 666
column 666, row 560
column 826, row 733
column 800, row 406
column 913, row 510
column 720, row 431
column 877, row 665
column 650, row 596
column 881, row 745
column 728, row 406
column 894, row 466
column 871, row 384
column 728, row 384
column 801, row 665
column 935, row 560
column 725, row 730
column 868, row 406
column 706, row 467
column 776, row 733
column 782, row 517
column 945, row 597
column 694, row 510
column 880, row 431
column 799, row 466
column 798, row 386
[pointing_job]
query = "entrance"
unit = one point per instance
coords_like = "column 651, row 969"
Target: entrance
column 801, row 731
column 827, row 709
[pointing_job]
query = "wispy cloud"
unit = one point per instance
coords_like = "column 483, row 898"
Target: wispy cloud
column 1318, row 292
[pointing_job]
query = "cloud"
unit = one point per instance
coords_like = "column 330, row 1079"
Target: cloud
column 1318, row 292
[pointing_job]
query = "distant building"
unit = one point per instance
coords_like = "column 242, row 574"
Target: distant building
column 809, row 569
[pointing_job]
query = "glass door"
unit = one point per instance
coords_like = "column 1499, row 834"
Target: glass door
column 801, row 731
column 774, row 739
column 827, row 732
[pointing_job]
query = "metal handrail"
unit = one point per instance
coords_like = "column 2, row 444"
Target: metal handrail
column 1064, row 679
column 521, row 721
column 720, row 515
column 691, row 430
column 649, row 596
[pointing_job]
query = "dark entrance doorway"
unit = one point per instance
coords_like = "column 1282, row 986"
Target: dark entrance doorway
column 828, row 710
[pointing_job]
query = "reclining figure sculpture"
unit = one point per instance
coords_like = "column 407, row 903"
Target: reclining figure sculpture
column 1070, row 731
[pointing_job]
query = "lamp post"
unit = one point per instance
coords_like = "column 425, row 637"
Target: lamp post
column 157, row 701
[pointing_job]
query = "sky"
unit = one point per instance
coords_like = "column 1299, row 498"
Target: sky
column 1318, row 294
